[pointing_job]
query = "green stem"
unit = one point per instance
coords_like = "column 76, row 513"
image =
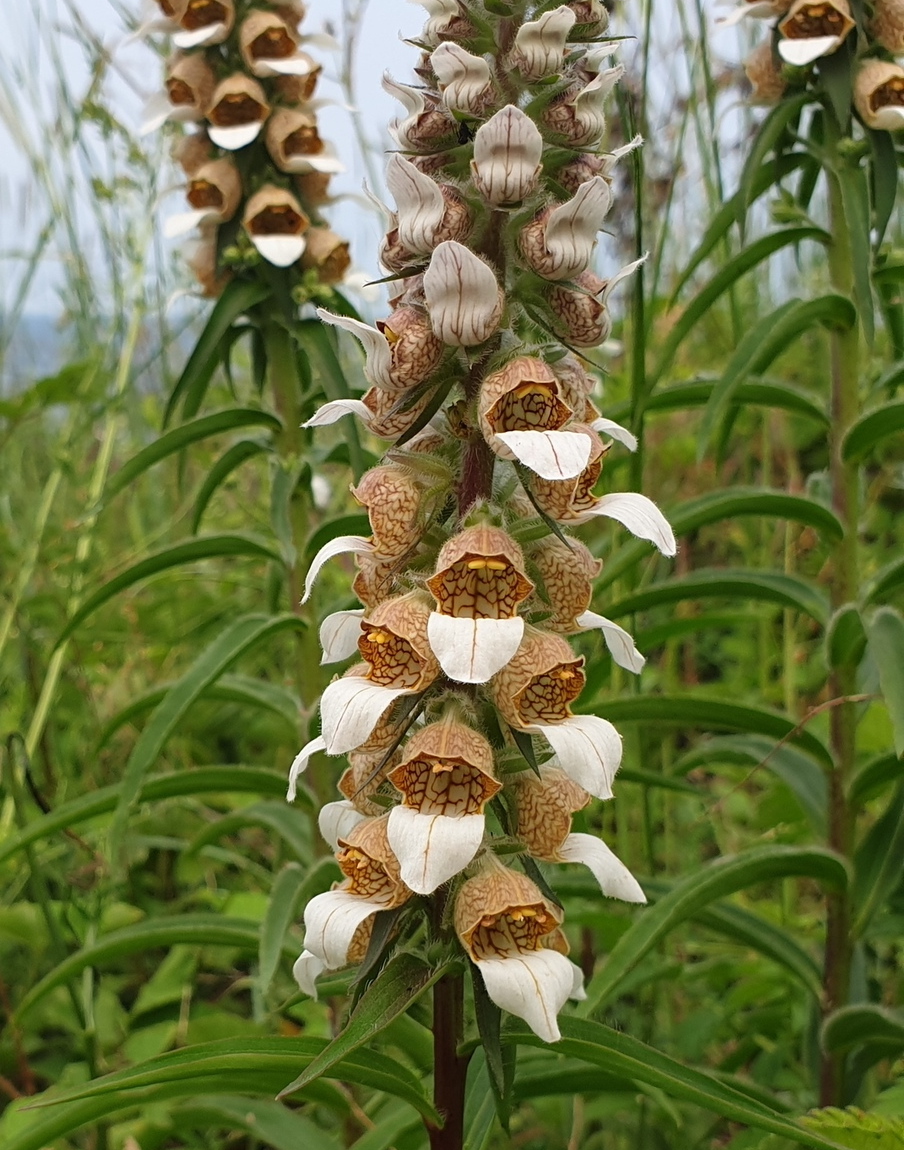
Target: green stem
column 845, row 400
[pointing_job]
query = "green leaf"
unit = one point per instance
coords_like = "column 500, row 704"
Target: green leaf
column 885, row 582
column 884, row 180
column 764, row 342
column 772, row 129
column 187, row 433
column 886, row 644
column 713, row 714
column 870, row 429
column 244, row 1065
column 845, row 638
column 718, row 506
column 204, row 547
column 805, row 778
column 264, row 1120
column 680, row 396
column 626, row 1057
column 282, row 910
column 179, row 784
column 697, row 890
column 391, row 1123
column 237, row 298
column 401, row 982
column 855, row 198
column 231, row 458
column 480, row 1108
column 873, row 777
column 856, row 1130
column 151, row 933
column 865, row 1024
column 761, row 180
column 241, row 636
column 277, row 817
column 241, row 689
column 877, row 863
column 725, row 277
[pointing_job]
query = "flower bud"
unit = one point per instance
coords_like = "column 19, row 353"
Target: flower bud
column 294, row 143
column 393, row 501
column 887, row 24
column 237, row 112
column 326, row 253
column 204, row 22
column 765, row 75
column 814, row 28
column 508, row 152
column 540, row 45
column 276, row 224
column 500, row 911
column 577, row 115
column 879, row 95
column 394, row 644
column 428, row 126
column 465, row 80
column 544, row 808
column 567, row 572
column 201, row 257
column 558, row 243
column 540, row 683
column 464, row 300
column 428, row 213
column 192, row 151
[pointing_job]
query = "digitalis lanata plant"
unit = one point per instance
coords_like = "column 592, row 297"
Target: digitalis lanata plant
column 257, row 170
column 465, row 760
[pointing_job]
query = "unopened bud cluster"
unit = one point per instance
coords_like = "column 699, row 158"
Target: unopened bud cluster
column 806, row 31
column 257, row 170
column 464, row 755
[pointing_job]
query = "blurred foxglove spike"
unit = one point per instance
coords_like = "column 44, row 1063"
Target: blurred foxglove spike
column 214, row 193
column 188, row 89
column 276, row 225
column 764, row 71
column 887, row 25
column 204, row 23
column 814, row 28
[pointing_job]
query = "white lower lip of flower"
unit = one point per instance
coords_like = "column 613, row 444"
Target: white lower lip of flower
column 300, row 765
column 615, row 431
column 350, row 710
column 588, row 749
column 158, row 110
column 337, row 821
column 184, row 222
column 209, row 34
column 803, row 52
column 473, row 650
column 888, row 119
column 419, row 201
column 615, row 880
column 281, row 251
column 377, row 354
column 282, row 66
column 324, row 162
column 640, row 515
column 578, row 993
column 339, row 635
column 341, row 545
column 431, row 849
column 622, row 274
column 533, row 986
column 620, row 644
column 235, row 137
column 330, row 922
column 508, row 151
column 540, row 44
column 333, row 411
column 305, row 971
column 744, row 9
column 550, row 454
column 463, row 78
column 462, row 296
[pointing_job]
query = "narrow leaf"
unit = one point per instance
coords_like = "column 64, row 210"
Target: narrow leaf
column 872, row 429
column 886, row 644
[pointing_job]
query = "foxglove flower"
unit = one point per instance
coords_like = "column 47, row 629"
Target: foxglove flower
column 540, row 45
column 503, row 921
column 188, row 88
column 544, row 808
column 879, row 95
column 294, row 143
column 887, row 25
column 401, row 351
column 558, row 243
column 521, row 417
column 237, row 112
column 276, row 225
column 508, row 152
column 445, row 779
column 204, row 23
column 765, row 75
column 581, row 313
column 428, row 213
column 392, row 500
column 578, row 116
column 463, row 297
column 465, row 80
column 479, row 586
column 814, row 28
column 270, row 47
column 428, row 126
column 214, row 192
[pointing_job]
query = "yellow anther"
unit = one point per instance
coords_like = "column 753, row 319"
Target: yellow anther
column 562, row 674
column 477, row 564
column 391, row 336
column 379, row 637
column 527, row 389
column 497, row 565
